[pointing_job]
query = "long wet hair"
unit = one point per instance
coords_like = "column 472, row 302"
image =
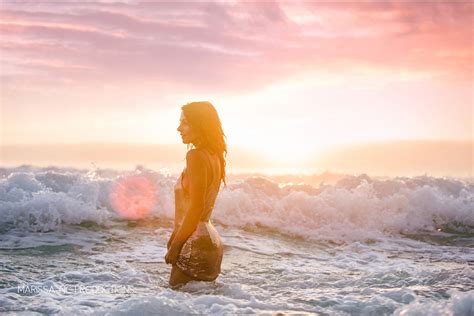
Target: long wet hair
column 205, row 122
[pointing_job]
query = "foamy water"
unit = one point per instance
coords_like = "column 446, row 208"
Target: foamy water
column 361, row 246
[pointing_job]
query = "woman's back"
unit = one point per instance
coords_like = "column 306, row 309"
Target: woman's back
column 181, row 189
column 213, row 180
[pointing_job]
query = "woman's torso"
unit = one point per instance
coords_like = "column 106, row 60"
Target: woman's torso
column 182, row 198
column 201, row 255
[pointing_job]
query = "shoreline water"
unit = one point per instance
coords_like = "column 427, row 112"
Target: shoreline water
column 360, row 246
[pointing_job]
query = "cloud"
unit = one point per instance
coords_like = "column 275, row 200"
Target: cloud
column 231, row 46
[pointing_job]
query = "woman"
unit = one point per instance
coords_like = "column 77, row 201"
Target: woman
column 195, row 248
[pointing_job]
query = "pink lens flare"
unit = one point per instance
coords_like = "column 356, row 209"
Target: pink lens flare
column 134, row 197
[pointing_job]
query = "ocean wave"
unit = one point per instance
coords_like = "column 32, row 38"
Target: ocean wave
column 459, row 303
column 354, row 208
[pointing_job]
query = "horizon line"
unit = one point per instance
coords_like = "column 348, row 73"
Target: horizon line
column 368, row 142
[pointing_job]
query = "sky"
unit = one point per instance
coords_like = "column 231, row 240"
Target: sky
column 289, row 79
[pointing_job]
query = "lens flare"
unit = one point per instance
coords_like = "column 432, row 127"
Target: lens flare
column 133, row 197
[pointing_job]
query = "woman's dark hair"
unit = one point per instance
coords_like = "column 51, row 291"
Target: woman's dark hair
column 205, row 122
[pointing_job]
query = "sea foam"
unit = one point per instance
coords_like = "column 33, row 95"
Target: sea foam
column 355, row 208
column 459, row 303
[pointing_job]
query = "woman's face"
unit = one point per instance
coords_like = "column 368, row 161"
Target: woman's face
column 185, row 130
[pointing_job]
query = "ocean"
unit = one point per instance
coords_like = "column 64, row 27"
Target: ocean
column 73, row 242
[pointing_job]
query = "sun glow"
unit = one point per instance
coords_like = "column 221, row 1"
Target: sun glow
column 281, row 147
column 289, row 154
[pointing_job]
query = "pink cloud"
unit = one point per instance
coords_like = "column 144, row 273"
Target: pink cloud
column 235, row 46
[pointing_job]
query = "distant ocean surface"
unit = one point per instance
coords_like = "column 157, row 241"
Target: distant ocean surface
column 359, row 246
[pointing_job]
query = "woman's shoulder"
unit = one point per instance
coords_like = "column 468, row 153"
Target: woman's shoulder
column 200, row 156
column 196, row 155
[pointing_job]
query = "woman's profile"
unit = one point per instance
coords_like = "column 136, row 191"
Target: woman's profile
column 195, row 248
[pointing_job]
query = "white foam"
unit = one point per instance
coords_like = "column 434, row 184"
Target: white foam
column 169, row 302
column 459, row 304
column 43, row 200
column 351, row 210
column 356, row 208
